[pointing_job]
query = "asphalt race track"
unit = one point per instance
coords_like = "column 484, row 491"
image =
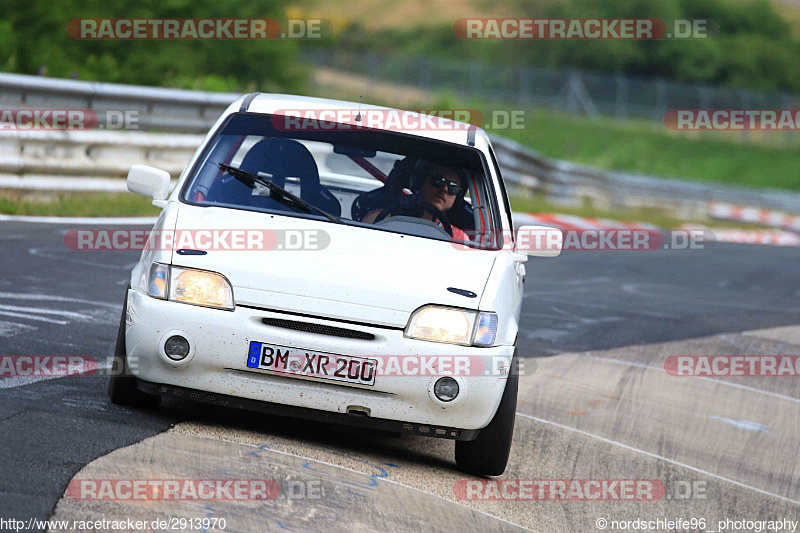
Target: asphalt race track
column 595, row 403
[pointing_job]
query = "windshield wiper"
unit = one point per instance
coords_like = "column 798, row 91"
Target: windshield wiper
column 276, row 192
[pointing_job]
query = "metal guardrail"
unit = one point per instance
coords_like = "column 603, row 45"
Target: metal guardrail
column 86, row 160
column 173, row 110
column 97, row 160
column 569, row 183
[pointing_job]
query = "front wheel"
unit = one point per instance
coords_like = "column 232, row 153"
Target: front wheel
column 488, row 454
column 122, row 387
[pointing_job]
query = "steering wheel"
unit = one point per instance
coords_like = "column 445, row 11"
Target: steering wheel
column 414, row 206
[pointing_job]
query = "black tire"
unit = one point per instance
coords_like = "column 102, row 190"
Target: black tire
column 488, row 454
column 122, row 387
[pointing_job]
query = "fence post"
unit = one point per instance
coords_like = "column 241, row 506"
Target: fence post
column 424, row 74
column 786, row 103
column 577, row 96
column 661, row 99
column 372, row 64
column 702, row 91
column 744, row 97
column 572, row 99
column 524, row 86
column 622, row 97
column 473, row 79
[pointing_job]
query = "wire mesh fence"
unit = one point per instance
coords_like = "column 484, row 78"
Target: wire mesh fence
column 574, row 91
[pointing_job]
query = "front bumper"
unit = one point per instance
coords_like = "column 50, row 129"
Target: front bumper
column 217, row 364
column 307, row 414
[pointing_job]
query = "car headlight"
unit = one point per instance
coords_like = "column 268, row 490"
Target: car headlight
column 191, row 286
column 453, row 326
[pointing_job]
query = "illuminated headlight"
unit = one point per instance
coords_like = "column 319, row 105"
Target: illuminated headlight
column 200, row 287
column 453, row 326
column 187, row 285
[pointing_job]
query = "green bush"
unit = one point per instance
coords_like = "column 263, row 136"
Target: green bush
column 33, row 38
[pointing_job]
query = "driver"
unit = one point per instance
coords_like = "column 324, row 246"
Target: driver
column 440, row 187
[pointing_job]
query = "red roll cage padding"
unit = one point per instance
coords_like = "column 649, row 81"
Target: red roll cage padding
column 369, row 167
column 199, row 196
column 478, row 207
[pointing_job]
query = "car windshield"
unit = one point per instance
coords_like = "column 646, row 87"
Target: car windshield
column 381, row 180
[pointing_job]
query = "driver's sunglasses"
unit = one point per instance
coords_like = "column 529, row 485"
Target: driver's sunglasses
column 438, row 181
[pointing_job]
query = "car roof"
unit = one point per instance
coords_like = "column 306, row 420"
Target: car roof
column 447, row 130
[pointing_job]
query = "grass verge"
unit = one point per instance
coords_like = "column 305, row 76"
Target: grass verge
column 648, row 148
column 78, row 205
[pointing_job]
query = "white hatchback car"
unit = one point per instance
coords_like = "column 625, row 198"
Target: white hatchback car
column 335, row 270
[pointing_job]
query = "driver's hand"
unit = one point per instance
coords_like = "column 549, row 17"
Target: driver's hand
column 370, row 217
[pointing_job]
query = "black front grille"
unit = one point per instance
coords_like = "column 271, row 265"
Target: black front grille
column 319, row 329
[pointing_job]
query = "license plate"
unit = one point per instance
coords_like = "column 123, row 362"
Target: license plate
column 299, row 362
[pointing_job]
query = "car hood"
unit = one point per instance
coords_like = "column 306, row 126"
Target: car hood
column 351, row 273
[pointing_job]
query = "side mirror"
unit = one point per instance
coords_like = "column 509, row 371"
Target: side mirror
column 539, row 241
column 149, row 181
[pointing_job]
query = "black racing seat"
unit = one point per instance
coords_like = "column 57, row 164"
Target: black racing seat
column 462, row 216
column 382, row 197
column 276, row 159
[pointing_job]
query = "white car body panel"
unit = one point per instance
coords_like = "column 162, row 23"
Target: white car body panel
column 219, row 364
column 363, row 274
